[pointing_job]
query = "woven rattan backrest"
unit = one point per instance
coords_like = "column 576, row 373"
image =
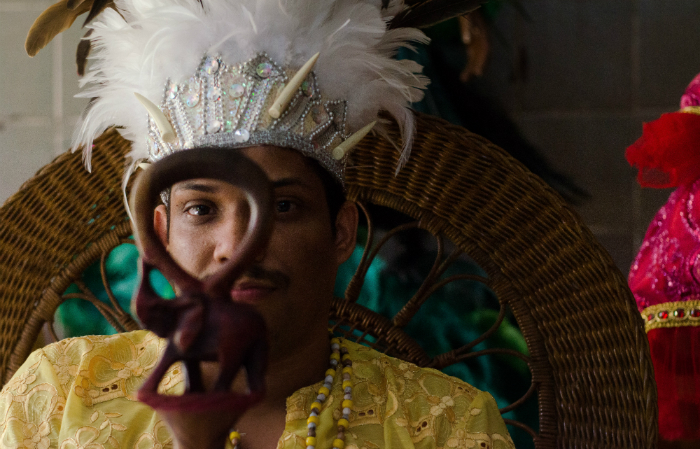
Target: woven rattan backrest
column 587, row 348
column 588, row 351
column 50, row 231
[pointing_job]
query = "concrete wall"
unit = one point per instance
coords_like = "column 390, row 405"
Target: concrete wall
column 580, row 78
column 37, row 108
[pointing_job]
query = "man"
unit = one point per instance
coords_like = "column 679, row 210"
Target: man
column 252, row 91
column 293, row 279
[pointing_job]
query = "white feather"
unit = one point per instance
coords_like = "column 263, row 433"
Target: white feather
column 146, row 42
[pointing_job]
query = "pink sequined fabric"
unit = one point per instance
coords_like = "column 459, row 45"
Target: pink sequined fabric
column 692, row 93
column 667, row 268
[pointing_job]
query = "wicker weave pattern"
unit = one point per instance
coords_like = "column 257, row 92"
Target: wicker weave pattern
column 48, row 231
column 588, row 351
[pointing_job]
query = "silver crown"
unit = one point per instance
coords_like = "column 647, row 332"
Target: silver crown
column 229, row 106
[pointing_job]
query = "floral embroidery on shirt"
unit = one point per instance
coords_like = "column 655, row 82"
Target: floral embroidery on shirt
column 65, row 357
column 442, row 406
column 103, row 433
column 32, row 418
column 19, row 383
column 159, row 438
column 117, row 368
column 79, row 394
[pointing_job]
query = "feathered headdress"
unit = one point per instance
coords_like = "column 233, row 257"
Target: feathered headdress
column 300, row 73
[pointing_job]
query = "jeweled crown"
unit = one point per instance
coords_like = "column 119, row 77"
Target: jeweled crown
column 227, row 105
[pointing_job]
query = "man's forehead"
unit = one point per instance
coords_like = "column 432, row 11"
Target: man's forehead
column 207, row 185
column 284, row 167
column 199, row 185
column 278, row 162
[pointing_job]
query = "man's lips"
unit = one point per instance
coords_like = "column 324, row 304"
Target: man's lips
column 251, row 292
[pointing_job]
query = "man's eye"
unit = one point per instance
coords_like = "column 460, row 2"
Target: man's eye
column 199, row 209
column 284, row 206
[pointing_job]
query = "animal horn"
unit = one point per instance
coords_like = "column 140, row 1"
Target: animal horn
column 283, row 99
column 167, row 133
column 344, row 148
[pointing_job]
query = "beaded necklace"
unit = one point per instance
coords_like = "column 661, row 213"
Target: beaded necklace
column 340, row 360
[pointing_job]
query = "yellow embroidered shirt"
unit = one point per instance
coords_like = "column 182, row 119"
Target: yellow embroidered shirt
column 80, row 393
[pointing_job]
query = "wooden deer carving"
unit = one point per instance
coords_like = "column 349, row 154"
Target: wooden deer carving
column 202, row 323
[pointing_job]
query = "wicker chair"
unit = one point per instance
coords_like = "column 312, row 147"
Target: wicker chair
column 588, row 353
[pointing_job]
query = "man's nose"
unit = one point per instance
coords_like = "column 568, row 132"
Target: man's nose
column 231, row 231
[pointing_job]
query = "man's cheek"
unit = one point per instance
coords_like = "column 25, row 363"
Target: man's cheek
column 187, row 254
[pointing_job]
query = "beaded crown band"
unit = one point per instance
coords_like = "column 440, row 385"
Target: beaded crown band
column 227, row 105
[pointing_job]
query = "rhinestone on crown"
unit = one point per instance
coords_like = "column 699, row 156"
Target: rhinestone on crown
column 225, row 105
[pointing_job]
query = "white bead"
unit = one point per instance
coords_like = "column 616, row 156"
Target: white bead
column 347, row 396
column 329, row 379
column 321, row 397
column 311, row 425
column 214, row 127
column 347, row 411
column 348, row 389
column 241, row 135
column 335, row 347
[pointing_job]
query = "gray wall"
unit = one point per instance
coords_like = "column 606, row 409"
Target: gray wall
column 596, row 69
column 37, row 108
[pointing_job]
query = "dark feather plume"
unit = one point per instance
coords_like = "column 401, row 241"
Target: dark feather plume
column 56, row 19
column 97, row 7
column 425, row 13
column 83, row 52
column 72, row 4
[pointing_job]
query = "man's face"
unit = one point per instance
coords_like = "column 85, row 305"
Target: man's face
column 292, row 281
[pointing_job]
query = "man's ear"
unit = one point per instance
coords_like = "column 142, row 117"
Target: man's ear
column 345, row 231
column 160, row 223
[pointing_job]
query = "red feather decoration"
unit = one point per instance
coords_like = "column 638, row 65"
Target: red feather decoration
column 668, row 153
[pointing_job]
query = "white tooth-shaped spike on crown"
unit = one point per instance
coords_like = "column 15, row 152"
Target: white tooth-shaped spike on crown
column 348, row 144
column 285, row 97
column 167, row 133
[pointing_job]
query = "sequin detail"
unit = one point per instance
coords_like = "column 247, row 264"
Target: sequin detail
column 667, row 268
column 226, row 106
column 264, row 69
column 210, row 66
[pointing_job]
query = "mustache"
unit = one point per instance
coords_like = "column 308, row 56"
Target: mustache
column 260, row 273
